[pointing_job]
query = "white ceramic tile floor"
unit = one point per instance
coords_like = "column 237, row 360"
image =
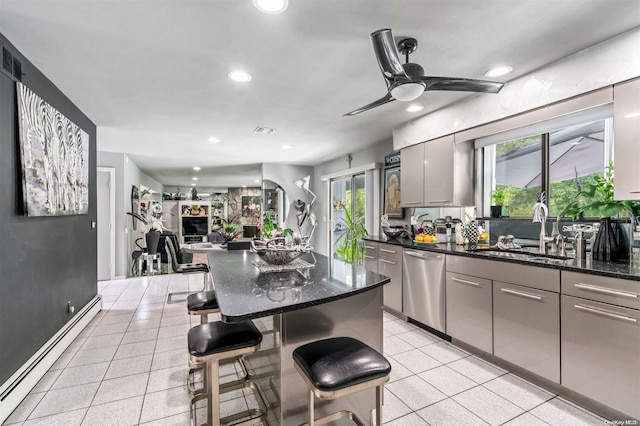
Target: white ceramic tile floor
column 128, row 368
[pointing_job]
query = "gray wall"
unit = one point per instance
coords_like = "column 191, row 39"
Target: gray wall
column 374, row 154
column 44, row 261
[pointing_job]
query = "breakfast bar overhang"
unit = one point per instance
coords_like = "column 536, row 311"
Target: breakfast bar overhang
column 329, row 298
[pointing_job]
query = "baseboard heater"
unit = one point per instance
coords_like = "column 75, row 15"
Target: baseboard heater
column 13, row 391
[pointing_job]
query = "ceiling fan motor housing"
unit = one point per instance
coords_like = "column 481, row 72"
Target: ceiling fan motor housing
column 413, row 70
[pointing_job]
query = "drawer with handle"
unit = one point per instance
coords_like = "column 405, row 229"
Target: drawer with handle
column 390, row 252
column 616, row 291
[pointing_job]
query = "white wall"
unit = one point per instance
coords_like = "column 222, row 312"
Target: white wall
column 374, row 154
column 127, row 174
column 604, row 64
column 285, row 175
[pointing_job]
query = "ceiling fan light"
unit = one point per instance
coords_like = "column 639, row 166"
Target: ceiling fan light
column 271, row 6
column 407, row 92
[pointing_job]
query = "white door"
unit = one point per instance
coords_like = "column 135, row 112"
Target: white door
column 106, row 228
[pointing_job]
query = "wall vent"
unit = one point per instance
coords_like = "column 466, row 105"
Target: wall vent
column 11, row 65
column 7, row 61
column 263, row 130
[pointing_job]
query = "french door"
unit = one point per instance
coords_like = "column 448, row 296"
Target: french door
column 348, row 198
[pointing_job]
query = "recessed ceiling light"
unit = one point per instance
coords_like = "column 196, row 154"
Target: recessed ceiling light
column 271, row 6
column 286, row 147
column 632, row 115
column 498, row 71
column 194, row 178
column 414, row 108
column 239, row 76
column 197, row 169
column 193, row 184
column 257, row 181
column 213, row 139
column 244, row 186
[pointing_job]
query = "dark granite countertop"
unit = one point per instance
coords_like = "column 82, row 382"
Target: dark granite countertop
column 244, row 292
column 623, row 270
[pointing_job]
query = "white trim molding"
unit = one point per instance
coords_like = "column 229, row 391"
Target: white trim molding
column 18, row 386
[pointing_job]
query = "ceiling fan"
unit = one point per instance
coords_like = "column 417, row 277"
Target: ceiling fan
column 406, row 82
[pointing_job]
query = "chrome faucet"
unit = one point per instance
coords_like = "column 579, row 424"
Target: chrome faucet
column 540, row 213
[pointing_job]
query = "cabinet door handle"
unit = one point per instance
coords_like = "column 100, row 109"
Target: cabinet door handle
column 423, row 255
column 597, row 289
column 369, row 247
column 387, row 261
column 473, row 283
column 410, row 202
column 439, row 201
column 521, row 293
column 634, row 192
column 369, row 257
column 606, row 313
column 388, row 251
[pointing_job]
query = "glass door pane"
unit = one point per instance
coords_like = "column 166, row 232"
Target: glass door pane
column 348, row 214
column 339, row 190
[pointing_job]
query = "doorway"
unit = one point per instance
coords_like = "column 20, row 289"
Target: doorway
column 106, row 215
column 348, row 199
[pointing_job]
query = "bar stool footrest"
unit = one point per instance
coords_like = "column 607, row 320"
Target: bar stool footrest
column 256, row 415
column 337, row 416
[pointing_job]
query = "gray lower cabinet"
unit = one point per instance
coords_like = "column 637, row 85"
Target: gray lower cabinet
column 371, row 256
column 601, row 352
column 526, row 328
column 601, row 339
column 390, row 264
column 469, row 310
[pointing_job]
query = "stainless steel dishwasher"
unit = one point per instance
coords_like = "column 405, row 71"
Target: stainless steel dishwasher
column 423, row 288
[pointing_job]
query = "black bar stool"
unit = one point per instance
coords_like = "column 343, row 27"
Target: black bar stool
column 337, row 367
column 216, row 341
column 203, row 303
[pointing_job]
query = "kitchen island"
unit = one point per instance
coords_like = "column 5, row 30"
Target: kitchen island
column 327, row 298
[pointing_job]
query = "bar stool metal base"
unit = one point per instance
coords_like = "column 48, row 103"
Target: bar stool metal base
column 315, row 392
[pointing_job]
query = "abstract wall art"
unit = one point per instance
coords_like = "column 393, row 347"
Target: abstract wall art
column 55, row 159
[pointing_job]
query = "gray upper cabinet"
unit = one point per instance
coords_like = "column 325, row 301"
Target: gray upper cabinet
column 412, row 176
column 626, row 125
column 437, row 173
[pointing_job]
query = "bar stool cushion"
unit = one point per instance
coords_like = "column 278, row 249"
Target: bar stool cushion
column 202, row 301
column 217, row 337
column 191, row 267
column 340, row 362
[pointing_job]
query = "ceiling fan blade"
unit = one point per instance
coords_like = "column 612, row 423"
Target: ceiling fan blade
column 387, row 55
column 460, row 84
column 381, row 101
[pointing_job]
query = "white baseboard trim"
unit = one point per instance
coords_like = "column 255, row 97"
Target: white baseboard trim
column 14, row 390
column 120, row 277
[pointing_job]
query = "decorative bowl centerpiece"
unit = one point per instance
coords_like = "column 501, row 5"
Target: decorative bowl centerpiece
column 277, row 252
column 393, row 231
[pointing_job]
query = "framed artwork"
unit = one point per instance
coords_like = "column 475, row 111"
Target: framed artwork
column 392, row 192
column 251, row 207
column 55, row 159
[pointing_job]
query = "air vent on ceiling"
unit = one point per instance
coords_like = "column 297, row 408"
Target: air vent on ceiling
column 11, row 65
column 263, row 130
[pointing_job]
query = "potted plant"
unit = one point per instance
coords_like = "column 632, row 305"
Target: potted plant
column 499, row 196
column 348, row 245
column 596, row 199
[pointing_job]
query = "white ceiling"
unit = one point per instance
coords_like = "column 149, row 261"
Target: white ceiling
column 151, row 74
